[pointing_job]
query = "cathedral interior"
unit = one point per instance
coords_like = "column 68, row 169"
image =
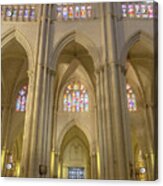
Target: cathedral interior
column 79, row 91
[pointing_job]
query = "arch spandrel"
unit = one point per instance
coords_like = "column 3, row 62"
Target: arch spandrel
column 78, row 38
column 12, row 34
column 138, row 36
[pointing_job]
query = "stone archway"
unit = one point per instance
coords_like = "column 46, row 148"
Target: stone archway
column 14, row 75
column 140, row 75
column 74, row 64
column 74, row 161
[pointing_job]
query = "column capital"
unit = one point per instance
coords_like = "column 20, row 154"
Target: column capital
column 30, row 73
column 118, row 65
column 100, row 68
column 48, row 68
column 149, row 105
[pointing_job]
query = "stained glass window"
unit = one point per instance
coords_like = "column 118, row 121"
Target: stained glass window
column 131, row 99
column 75, row 98
column 22, row 99
column 70, row 12
column 138, row 10
column 83, row 12
column 77, row 12
column 89, row 11
column 59, row 12
column 73, row 11
column 33, row 13
column 131, row 10
column 15, row 11
column 19, row 12
column 26, row 13
column 8, row 12
column 65, row 13
column 76, row 173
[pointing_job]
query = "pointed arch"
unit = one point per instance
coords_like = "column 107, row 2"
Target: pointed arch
column 137, row 78
column 138, row 36
column 69, row 126
column 20, row 38
column 79, row 38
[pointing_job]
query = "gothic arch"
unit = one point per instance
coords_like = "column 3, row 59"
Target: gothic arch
column 20, row 38
column 75, row 151
column 69, row 126
column 144, row 40
column 79, row 38
column 138, row 36
column 137, row 77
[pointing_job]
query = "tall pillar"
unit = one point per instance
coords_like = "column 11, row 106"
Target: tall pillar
column 56, row 165
column 150, row 121
column 48, row 121
column 100, row 149
column 108, row 124
column 119, row 122
column 93, row 166
column 36, row 129
column 103, row 122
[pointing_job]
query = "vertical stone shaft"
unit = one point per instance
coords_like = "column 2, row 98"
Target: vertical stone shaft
column 108, row 125
column 32, row 157
column 100, row 130
column 103, row 123
column 120, row 152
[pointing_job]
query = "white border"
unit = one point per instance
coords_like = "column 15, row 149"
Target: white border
column 52, row 182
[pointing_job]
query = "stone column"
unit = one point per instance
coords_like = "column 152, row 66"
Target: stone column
column 150, row 119
column 119, row 130
column 45, row 89
column 103, row 122
column 100, row 149
column 93, row 166
column 49, row 112
column 33, row 157
column 108, row 124
column 150, row 138
column 56, row 165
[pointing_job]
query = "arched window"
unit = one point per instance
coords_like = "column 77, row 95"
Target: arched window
column 76, row 98
column 138, row 10
column 74, row 11
column 131, row 99
column 22, row 99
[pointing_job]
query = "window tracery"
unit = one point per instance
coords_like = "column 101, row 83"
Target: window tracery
column 74, row 11
column 138, row 10
column 75, row 98
column 19, row 12
column 22, row 99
